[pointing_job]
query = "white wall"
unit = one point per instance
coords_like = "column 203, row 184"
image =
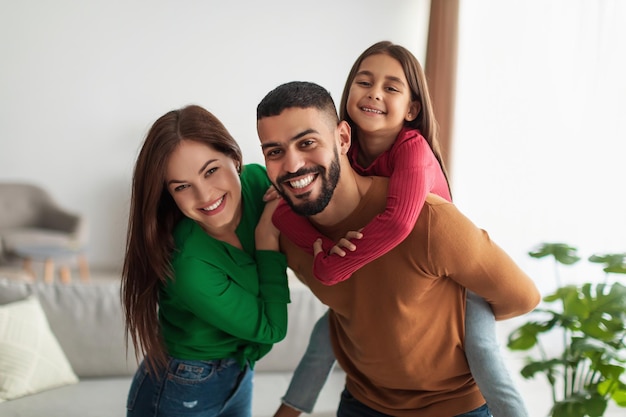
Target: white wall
column 539, row 152
column 82, row 81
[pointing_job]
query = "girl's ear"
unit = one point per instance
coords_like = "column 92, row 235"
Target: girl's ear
column 414, row 110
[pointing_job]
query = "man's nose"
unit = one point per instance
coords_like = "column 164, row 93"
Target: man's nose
column 292, row 162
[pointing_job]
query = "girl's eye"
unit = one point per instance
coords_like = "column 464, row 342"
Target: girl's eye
column 362, row 83
column 393, row 89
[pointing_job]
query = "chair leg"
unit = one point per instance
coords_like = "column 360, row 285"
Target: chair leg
column 48, row 270
column 28, row 267
column 83, row 268
column 65, row 274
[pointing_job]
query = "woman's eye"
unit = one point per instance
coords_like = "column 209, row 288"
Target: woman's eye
column 181, row 187
column 210, row 171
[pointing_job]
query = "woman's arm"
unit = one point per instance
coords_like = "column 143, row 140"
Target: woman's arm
column 245, row 297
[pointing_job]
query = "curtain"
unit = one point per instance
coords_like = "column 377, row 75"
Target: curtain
column 440, row 68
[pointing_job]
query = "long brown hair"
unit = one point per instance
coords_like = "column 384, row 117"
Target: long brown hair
column 153, row 216
column 425, row 121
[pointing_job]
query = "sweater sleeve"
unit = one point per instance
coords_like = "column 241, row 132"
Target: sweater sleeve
column 415, row 172
column 220, row 301
column 459, row 250
column 298, row 229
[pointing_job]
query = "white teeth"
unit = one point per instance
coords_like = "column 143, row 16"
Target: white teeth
column 371, row 110
column 303, row 182
column 214, row 206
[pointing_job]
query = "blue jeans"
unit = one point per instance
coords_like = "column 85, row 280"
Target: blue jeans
column 189, row 388
column 481, row 349
column 485, row 362
column 351, row 407
column 313, row 369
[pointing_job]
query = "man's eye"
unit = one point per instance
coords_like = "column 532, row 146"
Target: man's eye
column 273, row 153
column 306, row 143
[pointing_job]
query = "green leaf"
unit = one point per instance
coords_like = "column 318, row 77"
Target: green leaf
column 613, row 262
column 526, row 336
column 547, row 367
column 561, row 252
column 580, row 404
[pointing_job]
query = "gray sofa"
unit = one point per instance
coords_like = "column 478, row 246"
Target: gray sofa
column 86, row 320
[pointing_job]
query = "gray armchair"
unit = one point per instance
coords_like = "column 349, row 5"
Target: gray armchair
column 34, row 226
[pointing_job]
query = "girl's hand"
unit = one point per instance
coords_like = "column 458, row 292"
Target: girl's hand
column 266, row 234
column 344, row 242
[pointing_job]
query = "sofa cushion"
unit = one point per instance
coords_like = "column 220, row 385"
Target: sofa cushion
column 31, row 359
column 87, row 320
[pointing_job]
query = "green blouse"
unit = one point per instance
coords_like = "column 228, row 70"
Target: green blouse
column 224, row 302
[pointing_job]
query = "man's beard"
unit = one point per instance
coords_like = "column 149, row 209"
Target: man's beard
column 329, row 177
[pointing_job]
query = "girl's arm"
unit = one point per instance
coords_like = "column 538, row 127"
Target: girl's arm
column 298, row 229
column 416, row 173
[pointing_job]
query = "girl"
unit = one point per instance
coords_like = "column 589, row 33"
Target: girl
column 387, row 104
column 204, row 287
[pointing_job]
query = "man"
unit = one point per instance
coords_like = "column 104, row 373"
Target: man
column 397, row 325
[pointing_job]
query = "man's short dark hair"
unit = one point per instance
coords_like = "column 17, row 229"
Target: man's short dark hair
column 301, row 94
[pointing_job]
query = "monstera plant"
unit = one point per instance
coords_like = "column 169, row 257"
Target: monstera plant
column 588, row 323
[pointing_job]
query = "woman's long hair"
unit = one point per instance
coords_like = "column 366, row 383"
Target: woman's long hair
column 153, row 216
column 425, row 121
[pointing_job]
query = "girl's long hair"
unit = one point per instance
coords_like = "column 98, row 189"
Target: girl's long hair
column 425, row 121
column 153, row 216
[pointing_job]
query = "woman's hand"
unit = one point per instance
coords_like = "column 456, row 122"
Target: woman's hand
column 344, row 242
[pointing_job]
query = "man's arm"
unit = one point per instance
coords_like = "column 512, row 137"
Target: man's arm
column 465, row 253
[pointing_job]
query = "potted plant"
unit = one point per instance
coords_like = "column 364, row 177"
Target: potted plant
column 587, row 369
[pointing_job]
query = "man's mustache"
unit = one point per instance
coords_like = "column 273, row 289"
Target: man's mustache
column 299, row 173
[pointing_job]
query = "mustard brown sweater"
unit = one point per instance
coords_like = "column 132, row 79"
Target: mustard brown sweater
column 397, row 325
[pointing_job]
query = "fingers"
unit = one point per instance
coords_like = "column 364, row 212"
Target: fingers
column 343, row 243
column 354, row 234
column 317, row 247
column 271, row 194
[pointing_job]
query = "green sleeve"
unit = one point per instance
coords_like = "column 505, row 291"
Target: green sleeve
column 224, row 304
column 272, row 267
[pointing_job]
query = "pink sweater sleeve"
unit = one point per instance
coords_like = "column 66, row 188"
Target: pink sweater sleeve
column 298, row 229
column 416, row 173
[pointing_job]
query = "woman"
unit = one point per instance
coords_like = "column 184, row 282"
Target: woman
column 204, row 287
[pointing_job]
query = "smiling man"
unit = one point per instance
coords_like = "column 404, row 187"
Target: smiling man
column 397, row 325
